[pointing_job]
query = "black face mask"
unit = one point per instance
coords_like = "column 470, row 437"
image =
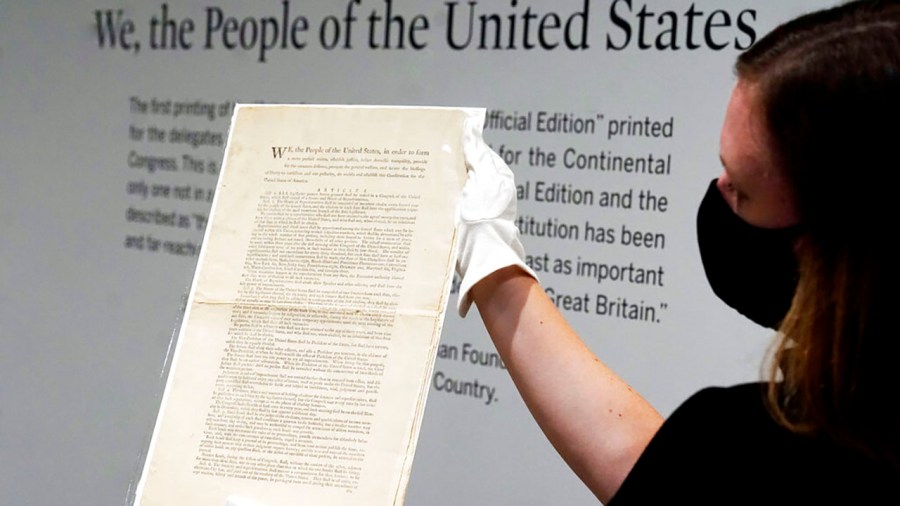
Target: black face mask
column 751, row 269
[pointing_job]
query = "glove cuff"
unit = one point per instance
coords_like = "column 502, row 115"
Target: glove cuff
column 488, row 246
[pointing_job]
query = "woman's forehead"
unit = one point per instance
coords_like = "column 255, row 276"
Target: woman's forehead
column 743, row 144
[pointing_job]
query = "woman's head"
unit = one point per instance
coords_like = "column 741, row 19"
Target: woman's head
column 820, row 95
column 754, row 185
column 828, row 88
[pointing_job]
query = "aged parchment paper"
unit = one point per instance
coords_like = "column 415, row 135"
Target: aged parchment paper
column 302, row 365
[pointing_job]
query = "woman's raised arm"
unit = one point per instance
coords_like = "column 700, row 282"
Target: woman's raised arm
column 597, row 423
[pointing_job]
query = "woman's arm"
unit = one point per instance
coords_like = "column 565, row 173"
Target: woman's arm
column 596, row 422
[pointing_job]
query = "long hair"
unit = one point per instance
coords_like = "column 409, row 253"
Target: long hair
column 829, row 87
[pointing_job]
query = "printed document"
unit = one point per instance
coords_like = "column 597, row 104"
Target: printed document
column 303, row 362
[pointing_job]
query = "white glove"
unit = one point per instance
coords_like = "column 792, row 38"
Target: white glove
column 488, row 237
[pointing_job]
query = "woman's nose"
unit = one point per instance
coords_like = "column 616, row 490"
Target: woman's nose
column 727, row 190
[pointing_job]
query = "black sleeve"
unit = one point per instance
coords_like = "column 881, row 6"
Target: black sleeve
column 722, row 447
column 699, row 450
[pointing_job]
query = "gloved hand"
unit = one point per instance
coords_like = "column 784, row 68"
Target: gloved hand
column 488, row 237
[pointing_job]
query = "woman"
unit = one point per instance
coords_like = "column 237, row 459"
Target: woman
column 809, row 131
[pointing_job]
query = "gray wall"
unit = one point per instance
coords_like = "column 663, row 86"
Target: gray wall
column 88, row 307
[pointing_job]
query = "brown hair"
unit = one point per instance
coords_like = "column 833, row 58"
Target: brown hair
column 829, row 86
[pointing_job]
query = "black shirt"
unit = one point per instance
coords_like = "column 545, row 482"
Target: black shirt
column 722, row 447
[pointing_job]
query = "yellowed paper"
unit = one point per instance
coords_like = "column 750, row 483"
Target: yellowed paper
column 302, row 366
